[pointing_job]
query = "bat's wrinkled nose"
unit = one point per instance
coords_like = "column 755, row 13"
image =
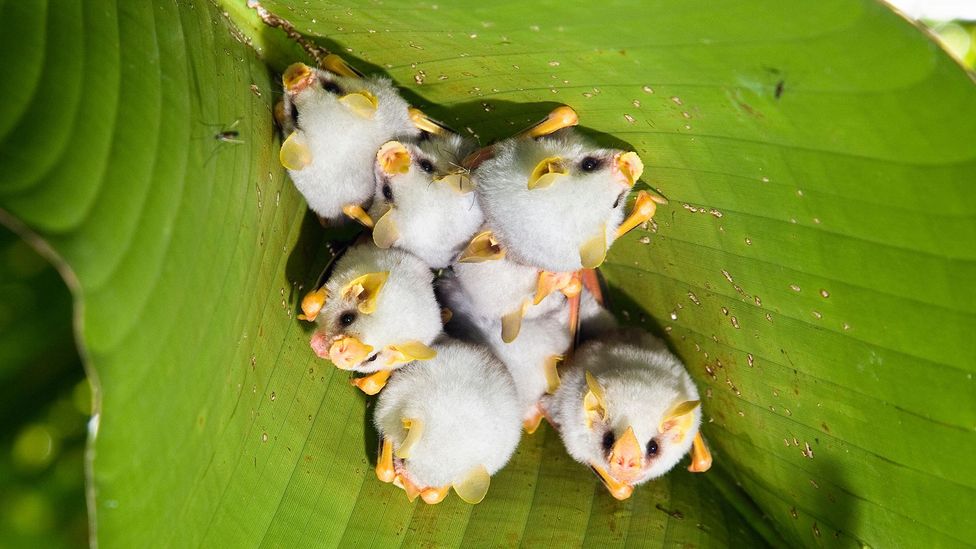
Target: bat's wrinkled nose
column 627, row 168
column 626, row 458
column 320, row 344
column 297, row 77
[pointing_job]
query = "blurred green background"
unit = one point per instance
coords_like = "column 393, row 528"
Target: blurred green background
column 44, row 405
column 45, row 399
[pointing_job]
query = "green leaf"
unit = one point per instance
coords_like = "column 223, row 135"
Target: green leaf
column 813, row 267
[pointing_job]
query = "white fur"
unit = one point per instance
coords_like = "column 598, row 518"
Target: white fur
column 406, row 309
column 342, row 143
column 642, row 381
column 546, row 227
column 468, row 406
column 435, row 222
column 525, row 358
column 499, row 287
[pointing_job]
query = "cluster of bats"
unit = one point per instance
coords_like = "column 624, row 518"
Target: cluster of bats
column 512, row 329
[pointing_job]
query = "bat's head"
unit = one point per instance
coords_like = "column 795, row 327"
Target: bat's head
column 425, row 201
column 637, row 429
column 379, row 311
column 556, row 202
column 340, row 101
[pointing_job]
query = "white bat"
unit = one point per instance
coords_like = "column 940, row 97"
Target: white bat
column 452, row 421
column 557, row 202
column 505, row 291
column 628, row 409
column 425, row 202
column 534, row 358
column 336, row 120
column 375, row 313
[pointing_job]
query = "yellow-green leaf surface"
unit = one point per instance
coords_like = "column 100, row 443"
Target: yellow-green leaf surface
column 814, row 266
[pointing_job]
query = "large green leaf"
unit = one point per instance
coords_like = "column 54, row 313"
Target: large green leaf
column 812, row 269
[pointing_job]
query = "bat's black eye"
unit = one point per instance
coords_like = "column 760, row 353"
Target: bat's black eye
column 387, row 192
column 294, row 115
column 590, row 164
column 426, row 165
column 347, row 318
column 331, row 87
column 652, row 447
column 608, row 440
column 619, row 198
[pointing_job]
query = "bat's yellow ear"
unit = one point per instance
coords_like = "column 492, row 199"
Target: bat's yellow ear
column 415, row 428
column 512, row 323
column 393, row 158
column 483, row 247
column 409, row 351
column 312, row 303
column 679, row 419
column 474, row 486
column 594, row 251
column 386, row 233
column 552, row 372
column 295, row 154
column 338, row 65
column 348, row 351
column 366, row 289
column 459, row 182
column 547, row 172
column 594, row 401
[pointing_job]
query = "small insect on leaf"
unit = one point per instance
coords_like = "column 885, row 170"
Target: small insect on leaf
column 229, row 134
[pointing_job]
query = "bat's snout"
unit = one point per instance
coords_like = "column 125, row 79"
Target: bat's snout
column 627, row 168
column 626, row 459
column 320, row 344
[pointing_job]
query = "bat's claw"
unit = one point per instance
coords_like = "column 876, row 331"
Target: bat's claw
column 433, row 496
column 409, row 487
column 384, row 464
column 531, row 423
column 701, row 456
